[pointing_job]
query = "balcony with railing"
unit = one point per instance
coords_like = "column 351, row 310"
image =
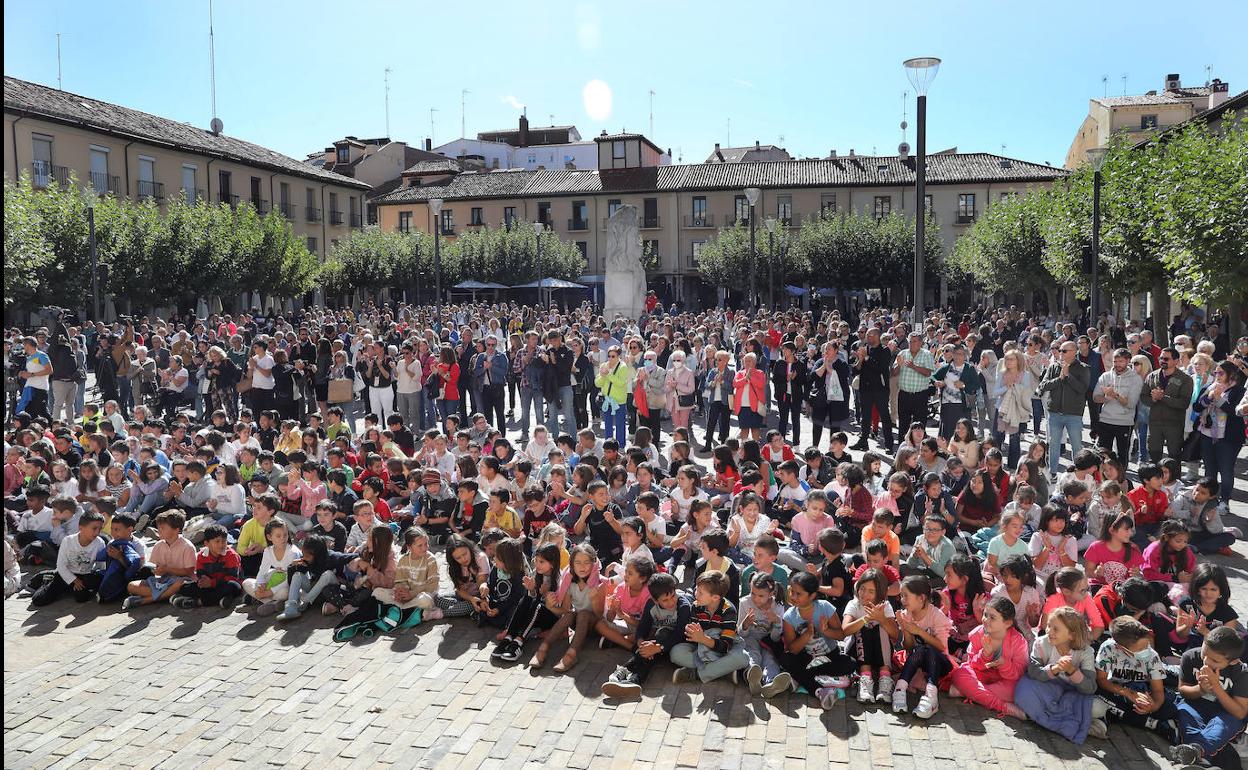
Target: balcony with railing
column 43, row 174
column 335, row 217
column 288, row 210
column 104, row 183
column 151, row 190
column 699, row 220
column 193, row 195
column 577, row 225
column 261, row 205
column 357, row 220
column 228, row 199
column 650, row 223
column 964, row 217
column 312, row 214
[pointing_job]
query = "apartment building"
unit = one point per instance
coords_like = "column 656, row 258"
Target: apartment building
column 113, row 150
column 378, row 162
column 682, row 206
column 1136, row 117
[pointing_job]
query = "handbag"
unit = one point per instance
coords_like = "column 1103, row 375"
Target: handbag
column 340, row 391
column 1190, row 451
column 686, row 400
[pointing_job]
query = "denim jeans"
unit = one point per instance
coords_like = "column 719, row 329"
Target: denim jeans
column 615, row 424
column 428, row 412
column 531, row 398
column 301, row 593
column 448, row 407
column 565, row 404
column 1141, row 432
column 1219, row 457
column 1207, row 725
column 685, row 655
column 1037, row 412
column 1072, row 425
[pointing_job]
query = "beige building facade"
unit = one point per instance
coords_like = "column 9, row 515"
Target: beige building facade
column 52, row 135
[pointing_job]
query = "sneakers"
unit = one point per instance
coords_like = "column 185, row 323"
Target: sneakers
column 827, row 697
column 885, row 690
column 621, row 685
column 289, row 613
column 781, row 684
column 736, row 678
column 899, row 698
column 183, row 602
column 228, row 602
column 433, row 613
column 865, row 686
column 954, row 692
column 328, row 609
column 1098, row 729
column 509, row 651
column 684, row 675
column 1185, row 754
column 1224, row 551
column 141, row 524
column 835, row 682
column 928, row 705
column 603, row 643
column 131, row 602
column 754, row 678
column 268, row 608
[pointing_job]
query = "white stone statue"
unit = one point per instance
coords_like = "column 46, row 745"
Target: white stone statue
column 625, row 291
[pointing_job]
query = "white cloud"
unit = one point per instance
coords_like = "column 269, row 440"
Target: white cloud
column 597, row 99
column 588, row 27
column 743, row 83
column 513, row 101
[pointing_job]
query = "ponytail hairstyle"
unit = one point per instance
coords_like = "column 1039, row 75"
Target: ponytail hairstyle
column 1065, row 578
column 1170, row 529
column 1004, row 607
column 1107, row 528
column 967, row 568
column 919, row 585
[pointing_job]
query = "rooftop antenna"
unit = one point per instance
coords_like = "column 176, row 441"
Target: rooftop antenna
column 431, row 111
column 1208, row 71
column 387, row 78
column 58, row 62
column 1124, row 84
column 728, row 141
column 212, row 64
column 463, row 96
column 652, row 113
column 552, row 118
column 1105, row 85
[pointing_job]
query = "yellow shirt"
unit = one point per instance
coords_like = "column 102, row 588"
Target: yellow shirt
column 251, row 534
column 507, row 520
column 289, row 442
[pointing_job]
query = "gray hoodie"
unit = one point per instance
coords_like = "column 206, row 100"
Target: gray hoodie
column 1128, row 384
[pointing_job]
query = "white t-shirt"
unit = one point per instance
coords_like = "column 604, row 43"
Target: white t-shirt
column 37, row 362
column 408, row 375
column 263, row 381
column 182, row 375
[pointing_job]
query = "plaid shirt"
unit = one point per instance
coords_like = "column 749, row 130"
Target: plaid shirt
column 909, row 380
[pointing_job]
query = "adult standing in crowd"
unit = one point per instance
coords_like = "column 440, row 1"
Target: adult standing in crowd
column 914, row 367
column 1066, row 383
column 1169, row 391
column 873, row 363
column 1118, row 392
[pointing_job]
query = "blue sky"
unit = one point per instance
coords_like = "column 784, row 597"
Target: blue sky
column 822, row 75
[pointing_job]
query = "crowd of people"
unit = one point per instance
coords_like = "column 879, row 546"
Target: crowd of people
column 574, row 479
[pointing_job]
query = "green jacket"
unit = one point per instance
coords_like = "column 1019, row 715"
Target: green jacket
column 970, row 378
column 1171, row 410
column 614, row 384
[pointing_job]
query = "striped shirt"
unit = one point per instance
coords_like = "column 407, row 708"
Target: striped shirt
column 909, row 380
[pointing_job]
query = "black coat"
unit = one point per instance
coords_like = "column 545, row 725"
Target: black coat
column 779, row 375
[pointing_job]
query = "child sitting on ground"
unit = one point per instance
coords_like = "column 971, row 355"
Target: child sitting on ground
column 1058, row 690
column 662, row 626
column 271, row 585
column 761, row 626
column 219, row 573
column 624, row 604
column 1130, row 679
column 79, row 562
column 996, row 659
column 870, row 629
column 715, row 557
column 1213, row 701
column 811, row 654
column 173, row 559
column 710, row 648
column 125, row 558
column 415, row 584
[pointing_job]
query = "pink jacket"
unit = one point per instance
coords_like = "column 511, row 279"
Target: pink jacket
column 308, row 496
column 1014, row 656
column 757, row 382
column 1152, row 563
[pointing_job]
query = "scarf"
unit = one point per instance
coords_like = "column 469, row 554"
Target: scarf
column 565, row 581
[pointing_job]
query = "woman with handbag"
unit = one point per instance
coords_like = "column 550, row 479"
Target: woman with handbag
column 223, row 377
column 680, row 386
column 582, row 380
column 1221, row 428
column 1013, row 393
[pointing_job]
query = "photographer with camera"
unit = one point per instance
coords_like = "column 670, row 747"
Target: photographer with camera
column 65, row 371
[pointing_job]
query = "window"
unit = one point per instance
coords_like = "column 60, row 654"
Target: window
column 509, row 216
column 257, row 198
column 334, row 214
column 698, row 216
column 966, row 207
column 532, row 158
column 188, row 184
column 580, row 216
column 1148, row 122
column 223, row 185
column 312, row 245
column 405, row 221
column 583, row 247
column 741, row 210
column 696, row 252
column 448, row 222
column 650, row 212
column 543, row 213
column 617, row 150
column 784, row 209
column 42, row 166
column 476, row 216
column 147, row 177
column 494, row 163
column 99, row 169
column 613, row 204
column 311, row 212
column 883, row 206
column 288, row 210
column 1006, row 195
column 344, row 154
column 649, row 248
column 827, row 203
column 355, row 211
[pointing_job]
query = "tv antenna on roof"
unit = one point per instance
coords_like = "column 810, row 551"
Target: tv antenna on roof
column 212, row 64
column 463, row 96
column 58, row 62
column 1105, row 85
column 652, row 113
column 431, row 111
column 387, row 79
column 1124, row 84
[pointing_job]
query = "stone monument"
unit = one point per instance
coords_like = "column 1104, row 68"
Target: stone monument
column 625, row 290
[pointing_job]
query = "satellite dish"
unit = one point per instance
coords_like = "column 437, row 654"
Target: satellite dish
column 217, row 126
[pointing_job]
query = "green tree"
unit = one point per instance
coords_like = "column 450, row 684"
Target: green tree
column 509, row 256
column 1003, row 252
column 26, row 252
column 859, row 251
column 364, row 260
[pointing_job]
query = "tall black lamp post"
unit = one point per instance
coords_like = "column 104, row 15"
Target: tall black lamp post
column 770, row 224
column 537, row 230
column 921, row 72
column 435, row 205
column 751, row 197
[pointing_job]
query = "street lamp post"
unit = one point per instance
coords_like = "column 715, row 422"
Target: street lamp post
column 537, row 230
column 1096, row 156
column 921, row 72
column 770, row 224
column 751, row 196
column 435, row 205
column 95, row 262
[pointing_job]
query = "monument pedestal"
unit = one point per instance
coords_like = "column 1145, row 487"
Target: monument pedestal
column 624, row 291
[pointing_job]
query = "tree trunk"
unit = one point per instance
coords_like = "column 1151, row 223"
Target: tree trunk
column 1235, row 326
column 1161, row 313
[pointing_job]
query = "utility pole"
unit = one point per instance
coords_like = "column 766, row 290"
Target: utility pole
column 431, row 111
column 652, row 113
column 212, row 63
column 59, row 87
column 463, row 95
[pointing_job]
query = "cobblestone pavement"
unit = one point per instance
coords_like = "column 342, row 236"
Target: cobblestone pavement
column 86, row 687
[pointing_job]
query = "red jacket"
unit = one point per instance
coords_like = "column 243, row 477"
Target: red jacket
column 1150, row 507
column 757, row 383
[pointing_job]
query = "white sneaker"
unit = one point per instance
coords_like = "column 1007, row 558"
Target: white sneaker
column 885, row 690
column 899, row 699
column 928, row 705
column 826, row 696
column 754, row 678
column 865, row 686
column 1098, row 729
column 778, row 686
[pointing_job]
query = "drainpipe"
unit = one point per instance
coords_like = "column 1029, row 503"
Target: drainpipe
column 324, row 226
column 208, row 179
column 272, row 199
column 16, row 173
column 125, row 159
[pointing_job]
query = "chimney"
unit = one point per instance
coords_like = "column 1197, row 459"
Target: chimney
column 524, row 131
column 1172, row 82
column 851, row 152
column 833, row 155
column 428, row 145
column 1218, row 92
column 756, row 146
